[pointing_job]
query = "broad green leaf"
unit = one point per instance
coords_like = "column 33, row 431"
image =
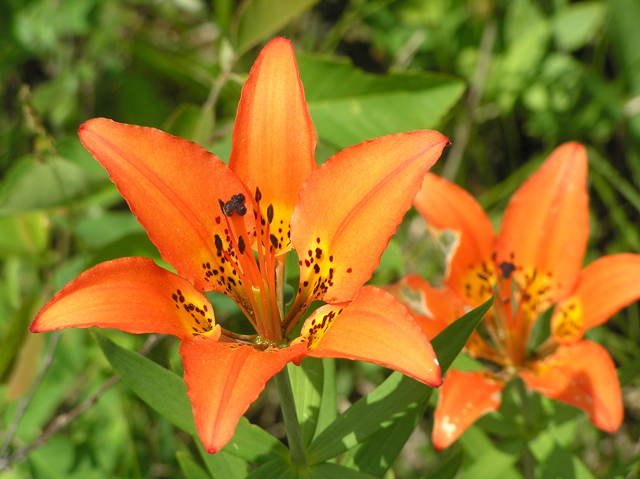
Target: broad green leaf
column 349, row 106
column 577, row 23
column 260, row 19
column 166, row 392
column 394, row 397
column 24, row 234
column 189, row 467
column 449, row 468
column 223, row 465
column 307, row 381
column 101, row 230
column 376, row 455
column 35, row 184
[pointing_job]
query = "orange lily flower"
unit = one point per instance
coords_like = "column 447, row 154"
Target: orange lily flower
column 228, row 228
column 532, row 264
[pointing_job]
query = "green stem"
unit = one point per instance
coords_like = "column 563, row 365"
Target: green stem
column 291, row 425
column 527, row 459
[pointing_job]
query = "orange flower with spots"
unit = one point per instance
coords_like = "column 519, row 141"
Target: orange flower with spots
column 532, row 264
column 228, row 229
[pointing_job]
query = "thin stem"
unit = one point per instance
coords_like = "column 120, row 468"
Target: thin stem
column 291, row 424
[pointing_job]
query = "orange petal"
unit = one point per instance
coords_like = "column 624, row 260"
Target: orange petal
column 546, row 225
column 273, row 139
column 464, row 398
column 446, row 206
column 582, row 375
column 173, row 186
column 223, row 379
column 605, row 286
column 131, row 294
column 433, row 309
column 352, row 204
column 376, row 328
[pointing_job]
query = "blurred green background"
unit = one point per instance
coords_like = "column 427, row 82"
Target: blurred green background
column 506, row 81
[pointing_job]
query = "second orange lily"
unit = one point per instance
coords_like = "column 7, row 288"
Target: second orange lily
column 533, row 264
column 228, row 229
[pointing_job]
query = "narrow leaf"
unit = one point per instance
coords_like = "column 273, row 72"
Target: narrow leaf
column 307, row 381
column 376, row 455
column 394, row 397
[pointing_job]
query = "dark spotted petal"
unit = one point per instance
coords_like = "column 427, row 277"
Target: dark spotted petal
column 133, row 295
column 350, row 207
column 173, row 186
column 374, row 327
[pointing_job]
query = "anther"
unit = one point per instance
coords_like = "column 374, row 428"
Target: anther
column 241, row 244
column 274, row 241
column 270, row 213
column 258, row 195
column 235, row 205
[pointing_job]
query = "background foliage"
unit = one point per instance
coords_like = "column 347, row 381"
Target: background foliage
column 507, row 81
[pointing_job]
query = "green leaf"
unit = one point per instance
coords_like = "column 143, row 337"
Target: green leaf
column 161, row 389
column 14, row 333
column 577, row 23
column 349, row 106
column 307, row 381
column 33, row 184
column 449, row 468
column 376, row 455
column 275, row 469
column 393, row 398
column 328, row 410
column 332, row 471
column 189, row 467
column 260, row 19
column 191, row 123
column 488, row 462
column 223, row 465
column 166, row 392
column 24, row 234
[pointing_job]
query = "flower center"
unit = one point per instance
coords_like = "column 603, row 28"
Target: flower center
column 521, row 295
column 249, row 277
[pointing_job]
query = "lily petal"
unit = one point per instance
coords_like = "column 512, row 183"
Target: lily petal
column 133, row 295
column 223, row 379
column 376, row 328
column 273, row 139
column 173, row 186
column 446, row 206
column 605, row 286
column 433, row 309
column 464, row 398
column 546, row 226
column 582, row 375
column 350, row 207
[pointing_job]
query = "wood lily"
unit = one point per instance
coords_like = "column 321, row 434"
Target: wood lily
column 532, row 264
column 228, row 229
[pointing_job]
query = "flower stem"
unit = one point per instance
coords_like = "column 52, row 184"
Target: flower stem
column 291, row 425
